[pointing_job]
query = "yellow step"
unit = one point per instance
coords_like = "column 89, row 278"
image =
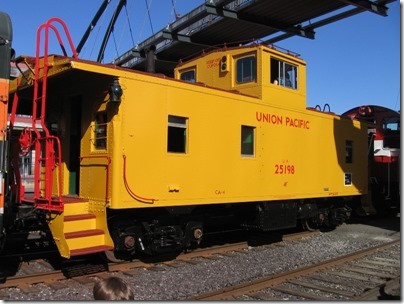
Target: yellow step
column 85, row 239
column 79, row 222
column 81, row 228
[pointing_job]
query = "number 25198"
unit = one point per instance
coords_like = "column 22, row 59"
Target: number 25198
column 284, row 169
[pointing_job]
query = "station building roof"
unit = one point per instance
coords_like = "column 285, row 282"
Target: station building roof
column 217, row 23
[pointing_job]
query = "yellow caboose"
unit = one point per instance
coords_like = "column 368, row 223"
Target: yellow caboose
column 149, row 163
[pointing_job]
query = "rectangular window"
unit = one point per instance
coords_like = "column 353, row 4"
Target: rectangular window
column 177, row 134
column 247, row 140
column 188, row 76
column 283, row 73
column 348, row 151
column 246, row 69
column 391, row 124
column 100, row 130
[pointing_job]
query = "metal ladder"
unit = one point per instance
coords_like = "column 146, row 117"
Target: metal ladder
column 47, row 147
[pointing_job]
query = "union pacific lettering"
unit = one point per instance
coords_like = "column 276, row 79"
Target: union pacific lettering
column 280, row 120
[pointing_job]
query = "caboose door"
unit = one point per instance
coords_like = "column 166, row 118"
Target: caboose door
column 74, row 139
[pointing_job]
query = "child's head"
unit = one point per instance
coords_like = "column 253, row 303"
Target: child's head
column 112, row 288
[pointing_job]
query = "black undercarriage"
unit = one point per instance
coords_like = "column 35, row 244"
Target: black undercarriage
column 154, row 231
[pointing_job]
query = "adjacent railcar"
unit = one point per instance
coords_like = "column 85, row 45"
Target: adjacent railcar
column 127, row 162
column 6, row 37
column 384, row 158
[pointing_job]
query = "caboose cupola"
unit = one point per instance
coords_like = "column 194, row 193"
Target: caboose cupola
column 273, row 76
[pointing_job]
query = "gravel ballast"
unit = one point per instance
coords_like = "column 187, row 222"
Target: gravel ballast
column 181, row 283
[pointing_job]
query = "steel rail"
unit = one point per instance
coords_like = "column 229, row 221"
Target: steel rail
column 253, row 287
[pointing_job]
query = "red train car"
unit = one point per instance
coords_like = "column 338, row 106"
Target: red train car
column 384, row 158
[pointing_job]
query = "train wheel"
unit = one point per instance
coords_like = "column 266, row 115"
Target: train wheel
column 309, row 225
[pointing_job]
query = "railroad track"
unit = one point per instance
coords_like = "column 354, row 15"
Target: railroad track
column 29, row 276
column 370, row 276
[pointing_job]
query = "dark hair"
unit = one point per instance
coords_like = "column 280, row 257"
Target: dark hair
column 112, row 288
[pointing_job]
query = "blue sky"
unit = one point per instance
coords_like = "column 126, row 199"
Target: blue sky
column 351, row 62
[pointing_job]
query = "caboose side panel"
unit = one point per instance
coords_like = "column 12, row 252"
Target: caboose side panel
column 279, row 170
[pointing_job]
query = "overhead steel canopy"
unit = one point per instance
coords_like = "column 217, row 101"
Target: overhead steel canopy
column 237, row 22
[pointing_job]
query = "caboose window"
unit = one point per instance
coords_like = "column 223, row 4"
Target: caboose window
column 391, row 123
column 246, row 69
column 177, row 134
column 348, row 151
column 283, row 73
column 100, row 130
column 188, row 76
column 247, row 140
